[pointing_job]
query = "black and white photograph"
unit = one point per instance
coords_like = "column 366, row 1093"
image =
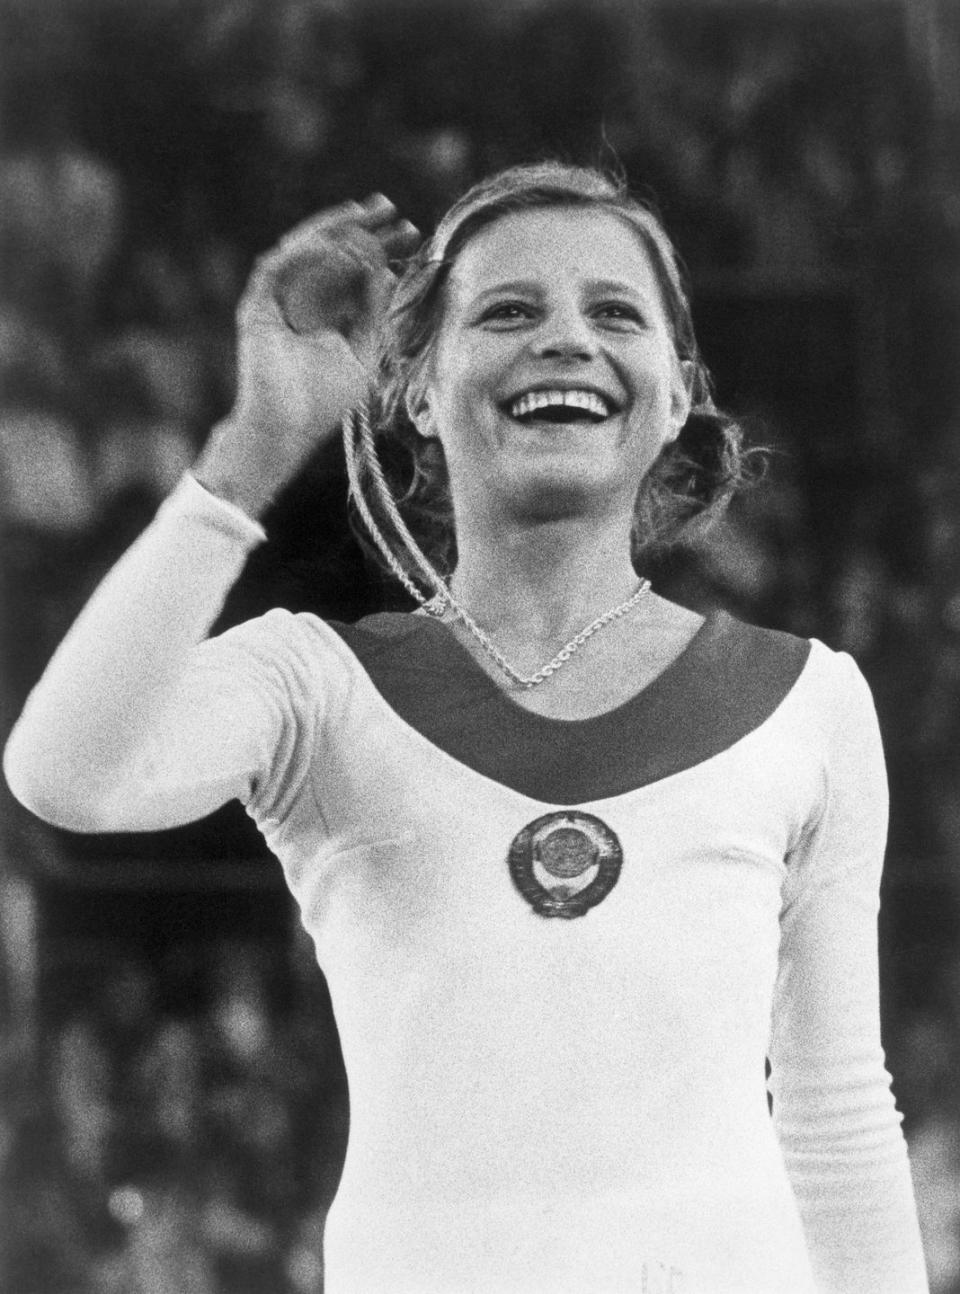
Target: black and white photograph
column 480, row 647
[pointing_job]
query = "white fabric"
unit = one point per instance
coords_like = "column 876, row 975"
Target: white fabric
column 536, row 1105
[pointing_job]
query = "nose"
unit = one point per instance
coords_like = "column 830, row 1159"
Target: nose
column 566, row 334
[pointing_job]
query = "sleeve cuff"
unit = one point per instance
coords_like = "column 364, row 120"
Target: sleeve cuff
column 192, row 500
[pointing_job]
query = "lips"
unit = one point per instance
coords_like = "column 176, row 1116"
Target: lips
column 559, row 405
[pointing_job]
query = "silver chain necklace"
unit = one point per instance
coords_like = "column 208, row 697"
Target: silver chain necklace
column 438, row 605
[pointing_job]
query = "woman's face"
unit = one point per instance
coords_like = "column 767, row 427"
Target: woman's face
column 553, row 383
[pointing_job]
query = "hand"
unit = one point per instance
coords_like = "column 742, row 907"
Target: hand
column 308, row 326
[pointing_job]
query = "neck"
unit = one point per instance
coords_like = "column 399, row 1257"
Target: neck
column 543, row 582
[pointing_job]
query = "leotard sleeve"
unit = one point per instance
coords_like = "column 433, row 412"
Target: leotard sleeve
column 833, row 1108
column 140, row 721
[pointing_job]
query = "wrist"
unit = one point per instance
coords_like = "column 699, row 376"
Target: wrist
column 227, row 469
column 216, row 511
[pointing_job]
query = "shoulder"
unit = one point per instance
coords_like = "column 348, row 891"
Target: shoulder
column 302, row 652
column 286, row 645
column 837, row 692
column 740, row 673
column 734, row 676
column 754, row 657
column 825, row 686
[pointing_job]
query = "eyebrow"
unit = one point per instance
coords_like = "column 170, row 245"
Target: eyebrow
column 512, row 285
column 533, row 287
column 619, row 285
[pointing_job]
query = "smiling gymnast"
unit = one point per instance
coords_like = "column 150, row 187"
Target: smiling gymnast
column 576, row 861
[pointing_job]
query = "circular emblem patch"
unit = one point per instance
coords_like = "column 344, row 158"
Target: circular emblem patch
column 565, row 863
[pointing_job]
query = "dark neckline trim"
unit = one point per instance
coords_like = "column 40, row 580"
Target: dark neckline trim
column 728, row 680
column 449, row 654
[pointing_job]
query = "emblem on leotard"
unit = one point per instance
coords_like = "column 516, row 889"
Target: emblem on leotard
column 565, row 863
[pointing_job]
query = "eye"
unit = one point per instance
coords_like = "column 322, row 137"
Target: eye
column 619, row 313
column 508, row 312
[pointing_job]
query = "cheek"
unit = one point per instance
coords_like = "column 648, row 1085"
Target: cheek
column 656, row 380
column 450, row 390
column 465, row 410
column 653, row 400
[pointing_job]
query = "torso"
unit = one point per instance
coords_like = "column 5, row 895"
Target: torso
column 566, row 1104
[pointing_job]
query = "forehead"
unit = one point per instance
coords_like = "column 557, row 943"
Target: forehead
column 554, row 245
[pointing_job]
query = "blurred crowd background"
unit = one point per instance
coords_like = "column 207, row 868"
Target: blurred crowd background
column 172, row 1104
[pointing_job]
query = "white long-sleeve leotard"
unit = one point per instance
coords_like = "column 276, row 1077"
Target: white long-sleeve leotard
column 539, row 1104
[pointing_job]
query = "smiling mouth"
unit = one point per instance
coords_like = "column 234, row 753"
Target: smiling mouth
column 559, row 407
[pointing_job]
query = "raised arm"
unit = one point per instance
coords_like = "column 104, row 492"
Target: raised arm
column 834, row 1112
column 129, row 727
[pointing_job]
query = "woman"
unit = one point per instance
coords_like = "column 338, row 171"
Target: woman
column 567, row 902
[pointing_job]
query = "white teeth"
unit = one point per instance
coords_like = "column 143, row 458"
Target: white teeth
column 534, row 400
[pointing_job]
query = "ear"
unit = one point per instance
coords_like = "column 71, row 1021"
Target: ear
column 420, row 411
column 681, row 395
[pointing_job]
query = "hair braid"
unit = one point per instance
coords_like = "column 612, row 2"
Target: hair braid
column 367, row 458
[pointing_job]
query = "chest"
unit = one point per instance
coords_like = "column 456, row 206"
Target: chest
column 422, row 861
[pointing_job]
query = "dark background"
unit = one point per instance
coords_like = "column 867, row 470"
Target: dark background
column 173, row 1111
